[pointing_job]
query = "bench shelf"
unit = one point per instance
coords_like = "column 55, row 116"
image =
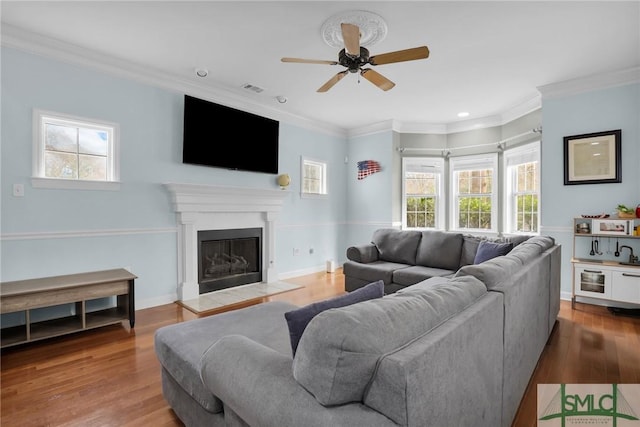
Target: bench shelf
column 75, row 290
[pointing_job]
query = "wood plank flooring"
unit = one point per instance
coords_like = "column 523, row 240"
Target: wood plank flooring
column 111, row 376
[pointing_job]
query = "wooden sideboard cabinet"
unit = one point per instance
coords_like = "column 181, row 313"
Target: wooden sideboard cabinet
column 75, row 290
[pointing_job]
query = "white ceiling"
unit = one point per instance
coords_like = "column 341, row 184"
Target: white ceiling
column 487, row 58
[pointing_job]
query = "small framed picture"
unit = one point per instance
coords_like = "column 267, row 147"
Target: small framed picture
column 592, row 158
column 620, row 227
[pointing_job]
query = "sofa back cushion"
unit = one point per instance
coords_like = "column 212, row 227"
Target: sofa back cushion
column 439, row 249
column 397, row 245
column 340, row 349
column 298, row 319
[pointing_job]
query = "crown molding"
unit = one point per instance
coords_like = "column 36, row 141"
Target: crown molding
column 17, row 38
column 510, row 115
column 590, row 83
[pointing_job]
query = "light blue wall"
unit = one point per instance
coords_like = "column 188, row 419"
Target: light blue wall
column 369, row 204
column 50, row 232
column 596, row 111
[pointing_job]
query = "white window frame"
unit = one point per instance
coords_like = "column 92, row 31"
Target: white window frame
column 512, row 158
column 473, row 162
column 433, row 165
column 39, row 180
column 323, row 177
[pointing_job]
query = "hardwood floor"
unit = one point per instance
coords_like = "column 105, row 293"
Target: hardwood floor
column 111, row 376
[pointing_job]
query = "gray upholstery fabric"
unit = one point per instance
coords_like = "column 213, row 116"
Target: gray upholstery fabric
column 180, row 346
column 377, row 270
column 339, row 350
column 526, row 317
column 396, row 245
column 417, row 273
column 469, row 248
column 493, row 272
column 439, row 249
column 363, row 253
column 190, row 412
column 432, row 377
column 257, row 383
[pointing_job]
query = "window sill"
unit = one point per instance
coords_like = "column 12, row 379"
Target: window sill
column 74, row 184
column 313, row 196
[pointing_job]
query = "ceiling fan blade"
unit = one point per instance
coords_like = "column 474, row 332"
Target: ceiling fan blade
column 351, row 37
column 377, row 79
column 335, row 79
column 309, row 61
column 421, row 52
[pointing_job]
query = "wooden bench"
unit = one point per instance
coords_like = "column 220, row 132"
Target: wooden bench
column 78, row 289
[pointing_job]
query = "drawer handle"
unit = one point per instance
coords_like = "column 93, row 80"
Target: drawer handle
column 631, row 275
column 593, row 271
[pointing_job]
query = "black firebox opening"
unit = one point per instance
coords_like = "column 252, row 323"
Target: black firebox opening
column 228, row 258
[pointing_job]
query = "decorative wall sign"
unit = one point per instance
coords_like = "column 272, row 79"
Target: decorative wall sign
column 368, row 167
column 593, row 158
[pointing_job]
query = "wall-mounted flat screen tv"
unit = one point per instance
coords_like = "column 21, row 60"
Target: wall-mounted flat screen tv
column 224, row 137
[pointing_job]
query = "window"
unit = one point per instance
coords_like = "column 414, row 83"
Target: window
column 522, row 189
column 314, row 177
column 473, row 192
column 73, row 152
column 422, row 205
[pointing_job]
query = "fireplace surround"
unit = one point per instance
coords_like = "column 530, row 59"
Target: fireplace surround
column 202, row 207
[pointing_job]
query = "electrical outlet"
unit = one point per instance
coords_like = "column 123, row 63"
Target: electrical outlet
column 18, row 190
column 296, row 251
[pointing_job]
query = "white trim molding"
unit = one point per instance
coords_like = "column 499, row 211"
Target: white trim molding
column 590, row 83
column 208, row 207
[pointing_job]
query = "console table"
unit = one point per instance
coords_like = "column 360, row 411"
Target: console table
column 30, row 295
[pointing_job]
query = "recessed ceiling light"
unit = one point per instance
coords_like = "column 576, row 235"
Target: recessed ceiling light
column 463, row 114
column 202, row 72
column 281, row 99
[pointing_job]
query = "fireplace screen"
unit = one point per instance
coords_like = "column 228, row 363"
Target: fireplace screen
column 228, row 258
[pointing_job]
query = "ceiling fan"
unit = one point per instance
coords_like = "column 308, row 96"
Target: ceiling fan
column 354, row 57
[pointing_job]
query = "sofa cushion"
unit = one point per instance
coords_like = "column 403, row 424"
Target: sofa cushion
column 396, row 245
column 377, row 270
column 470, row 245
column 439, row 249
column 180, row 346
column 414, row 274
column 493, row 272
column 488, row 250
column 298, row 319
column 340, row 349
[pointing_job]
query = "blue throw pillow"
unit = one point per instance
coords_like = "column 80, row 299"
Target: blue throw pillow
column 298, row 319
column 488, row 250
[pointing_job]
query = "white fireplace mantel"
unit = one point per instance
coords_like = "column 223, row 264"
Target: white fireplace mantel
column 209, row 207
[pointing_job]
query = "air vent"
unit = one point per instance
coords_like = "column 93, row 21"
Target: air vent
column 252, row 88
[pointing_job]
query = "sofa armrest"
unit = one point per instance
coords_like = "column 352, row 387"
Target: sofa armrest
column 257, row 383
column 363, row 253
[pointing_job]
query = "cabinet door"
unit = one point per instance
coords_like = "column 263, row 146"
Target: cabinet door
column 626, row 286
column 593, row 282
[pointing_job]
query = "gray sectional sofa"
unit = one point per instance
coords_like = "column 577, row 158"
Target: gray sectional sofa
column 404, row 257
column 447, row 351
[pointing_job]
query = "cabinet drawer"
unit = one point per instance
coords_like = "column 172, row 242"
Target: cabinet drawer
column 626, row 286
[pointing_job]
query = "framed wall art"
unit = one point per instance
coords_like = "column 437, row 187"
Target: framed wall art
column 593, row 158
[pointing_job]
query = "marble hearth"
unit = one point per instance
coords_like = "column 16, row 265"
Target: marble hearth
column 207, row 207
